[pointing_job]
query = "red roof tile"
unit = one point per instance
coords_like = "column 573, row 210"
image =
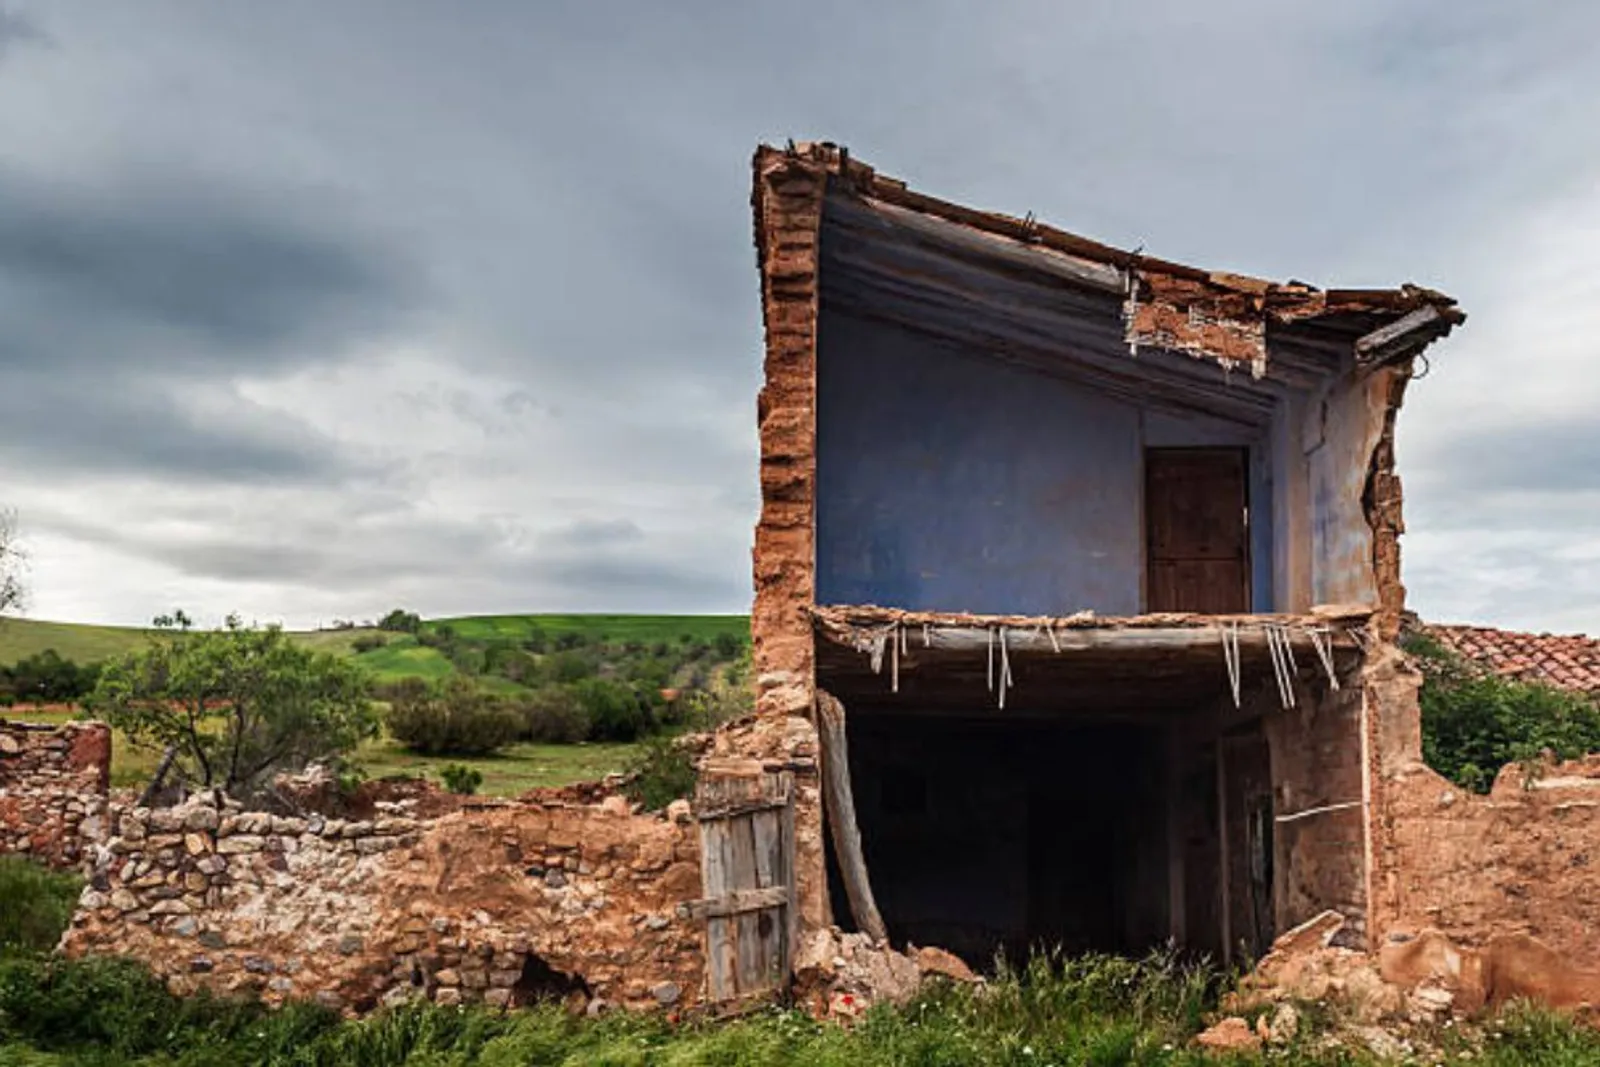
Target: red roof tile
column 1567, row 661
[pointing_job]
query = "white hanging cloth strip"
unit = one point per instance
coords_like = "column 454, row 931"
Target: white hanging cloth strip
column 1322, row 640
column 1230, row 657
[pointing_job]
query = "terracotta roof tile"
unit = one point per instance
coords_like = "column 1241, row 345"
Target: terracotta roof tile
column 1567, row 661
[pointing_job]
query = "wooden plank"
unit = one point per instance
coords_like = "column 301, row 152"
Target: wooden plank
column 737, row 902
column 788, row 878
column 771, row 921
column 742, row 862
column 721, row 964
column 737, row 806
column 1396, row 330
column 841, row 816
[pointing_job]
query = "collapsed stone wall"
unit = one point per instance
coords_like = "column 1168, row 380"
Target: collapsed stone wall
column 53, row 790
column 498, row 902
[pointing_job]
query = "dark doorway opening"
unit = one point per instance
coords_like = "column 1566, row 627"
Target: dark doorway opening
column 1197, row 530
column 992, row 834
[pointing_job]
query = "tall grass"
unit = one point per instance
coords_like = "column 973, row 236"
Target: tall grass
column 1095, row 1011
column 35, row 905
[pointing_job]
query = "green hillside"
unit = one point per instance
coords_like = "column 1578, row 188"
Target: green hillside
column 21, row 638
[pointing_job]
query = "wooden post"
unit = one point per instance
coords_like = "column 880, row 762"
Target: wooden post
column 1177, row 908
column 840, row 810
column 1222, row 851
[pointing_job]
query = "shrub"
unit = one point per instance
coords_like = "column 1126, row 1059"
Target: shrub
column 615, row 711
column 461, row 779
column 728, row 645
column 454, row 719
column 664, row 772
column 38, row 905
column 566, row 667
column 48, row 678
column 1474, row 721
column 368, row 643
column 554, row 715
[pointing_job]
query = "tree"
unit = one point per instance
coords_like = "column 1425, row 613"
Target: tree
column 11, row 589
column 232, row 707
column 401, row 621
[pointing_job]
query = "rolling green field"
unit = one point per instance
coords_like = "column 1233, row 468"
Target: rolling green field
column 519, row 768
column 20, row 638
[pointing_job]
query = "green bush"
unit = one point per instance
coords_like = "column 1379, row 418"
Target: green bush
column 553, row 715
column 37, row 905
column 664, row 772
column 1474, row 721
column 368, row 643
column 461, row 779
column 456, row 718
column 616, row 713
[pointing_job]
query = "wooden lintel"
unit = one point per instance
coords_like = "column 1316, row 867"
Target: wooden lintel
column 1087, row 639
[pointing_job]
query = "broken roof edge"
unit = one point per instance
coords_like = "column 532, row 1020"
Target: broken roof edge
column 866, row 616
column 1285, row 302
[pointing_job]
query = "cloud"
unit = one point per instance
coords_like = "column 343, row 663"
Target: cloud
column 16, row 28
column 133, row 309
column 462, row 313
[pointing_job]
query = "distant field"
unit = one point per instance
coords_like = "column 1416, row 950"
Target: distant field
column 20, row 638
column 605, row 627
column 520, row 768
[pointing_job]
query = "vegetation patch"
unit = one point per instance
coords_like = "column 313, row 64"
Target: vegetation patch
column 1474, row 721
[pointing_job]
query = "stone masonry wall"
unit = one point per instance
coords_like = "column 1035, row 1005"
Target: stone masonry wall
column 1524, row 860
column 53, row 786
column 481, row 904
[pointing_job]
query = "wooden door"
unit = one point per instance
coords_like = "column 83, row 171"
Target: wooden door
column 1198, row 542
column 747, row 868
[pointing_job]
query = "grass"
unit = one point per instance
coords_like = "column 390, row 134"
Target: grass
column 402, row 657
column 1096, row 1011
column 519, row 768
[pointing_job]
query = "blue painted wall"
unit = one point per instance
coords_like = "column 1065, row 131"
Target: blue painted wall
column 952, row 483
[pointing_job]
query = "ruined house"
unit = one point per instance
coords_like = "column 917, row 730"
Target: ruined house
column 1077, row 590
column 1098, row 552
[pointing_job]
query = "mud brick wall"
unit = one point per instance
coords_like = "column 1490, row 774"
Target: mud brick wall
column 1316, row 763
column 53, row 785
column 787, row 202
column 1518, row 861
column 484, row 904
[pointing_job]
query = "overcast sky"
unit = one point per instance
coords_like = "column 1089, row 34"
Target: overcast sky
column 313, row 308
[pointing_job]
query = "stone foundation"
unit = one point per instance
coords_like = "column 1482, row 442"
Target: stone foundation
column 53, row 785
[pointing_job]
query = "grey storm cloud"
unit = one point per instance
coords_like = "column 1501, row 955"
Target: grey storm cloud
column 119, row 296
column 456, row 305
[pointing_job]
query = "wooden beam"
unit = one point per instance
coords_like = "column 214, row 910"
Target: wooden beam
column 840, row 808
column 1223, row 888
column 1096, row 639
column 1384, row 336
column 1177, row 906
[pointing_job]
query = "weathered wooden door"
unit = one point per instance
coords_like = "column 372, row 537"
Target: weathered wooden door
column 1198, row 546
column 747, row 866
